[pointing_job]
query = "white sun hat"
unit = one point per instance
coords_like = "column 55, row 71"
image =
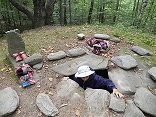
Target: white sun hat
column 83, row 71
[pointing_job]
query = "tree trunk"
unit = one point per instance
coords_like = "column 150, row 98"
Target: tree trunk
column 90, row 11
column 60, row 13
column 103, row 12
column 133, row 12
column 150, row 12
column 116, row 10
column 49, row 11
column 70, row 16
column 144, row 4
column 65, row 15
column 40, row 15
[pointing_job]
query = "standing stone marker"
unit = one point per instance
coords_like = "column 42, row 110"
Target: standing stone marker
column 15, row 42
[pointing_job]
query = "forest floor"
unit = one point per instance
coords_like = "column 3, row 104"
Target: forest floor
column 45, row 41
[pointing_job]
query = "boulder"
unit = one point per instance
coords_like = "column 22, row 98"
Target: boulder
column 56, row 56
column 69, row 68
column 81, row 36
column 152, row 73
column 132, row 110
column 15, row 42
column 117, row 104
column 141, row 51
column 146, row 101
column 125, row 61
column 126, row 81
column 102, row 36
column 97, row 102
column 34, row 59
column 46, row 105
column 76, row 52
column 9, row 101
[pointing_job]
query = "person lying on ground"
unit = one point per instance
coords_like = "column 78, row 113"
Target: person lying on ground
column 87, row 78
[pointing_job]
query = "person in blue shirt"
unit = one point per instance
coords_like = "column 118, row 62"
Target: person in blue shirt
column 87, row 78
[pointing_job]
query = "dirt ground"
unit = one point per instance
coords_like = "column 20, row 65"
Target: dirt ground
column 48, row 79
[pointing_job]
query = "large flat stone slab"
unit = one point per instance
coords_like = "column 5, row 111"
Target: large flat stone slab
column 127, row 81
column 92, row 60
column 146, row 101
column 141, row 51
column 15, row 42
column 97, row 102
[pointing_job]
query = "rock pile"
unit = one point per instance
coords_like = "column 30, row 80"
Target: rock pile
column 93, row 102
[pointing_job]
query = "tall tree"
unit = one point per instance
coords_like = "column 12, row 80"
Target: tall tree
column 90, row 11
column 41, row 13
column 135, row 11
column 61, row 11
column 116, row 10
column 144, row 4
column 65, row 11
column 101, row 11
column 70, row 11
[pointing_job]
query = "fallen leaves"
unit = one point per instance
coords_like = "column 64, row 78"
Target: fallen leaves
column 77, row 113
column 18, row 111
column 50, row 79
column 63, row 105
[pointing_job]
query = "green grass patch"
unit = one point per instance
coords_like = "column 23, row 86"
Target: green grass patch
column 49, row 37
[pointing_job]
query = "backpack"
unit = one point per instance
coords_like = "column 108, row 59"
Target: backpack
column 25, row 74
column 97, row 44
column 23, row 70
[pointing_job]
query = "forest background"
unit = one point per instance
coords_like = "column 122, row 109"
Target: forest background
column 28, row 14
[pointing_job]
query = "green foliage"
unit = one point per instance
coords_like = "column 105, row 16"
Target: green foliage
column 80, row 10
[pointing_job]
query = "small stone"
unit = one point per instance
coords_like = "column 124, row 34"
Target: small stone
column 40, row 114
column 50, row 79
column 18, row 111
column 50, row 93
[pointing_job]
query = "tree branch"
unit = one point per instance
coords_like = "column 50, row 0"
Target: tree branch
column 22, row 8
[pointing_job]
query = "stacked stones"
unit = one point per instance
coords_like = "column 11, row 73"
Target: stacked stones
column 93, row 102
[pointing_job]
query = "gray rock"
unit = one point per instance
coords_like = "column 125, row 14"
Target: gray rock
column 141, row 51
column 102, row 36
column 34, row 59
column 97, row 102
column 56, row 56
column 76, row 52
column 125, row 61
column 116, row 40
column 70, row 96
column 15, row 42
column 126, row 81
column 67, row 88
column 152, row 73
column 116, row 104
column 92, row 60
column 9, row 101
column 81, row 36
column 132, row 110
column 46, row 105
column 38, row 66
column 146, row 101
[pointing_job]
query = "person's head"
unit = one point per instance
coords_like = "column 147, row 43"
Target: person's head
column 84, row 72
